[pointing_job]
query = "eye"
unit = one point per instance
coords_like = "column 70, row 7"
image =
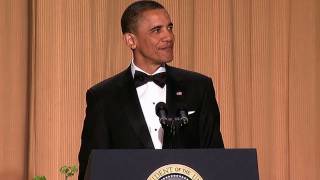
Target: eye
column 157, row 30
column 170, row 28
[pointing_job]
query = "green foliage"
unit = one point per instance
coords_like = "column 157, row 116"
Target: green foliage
column 39, row 178
column 68, row 171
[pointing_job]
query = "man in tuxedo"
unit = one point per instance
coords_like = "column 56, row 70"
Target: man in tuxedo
column 120, row 111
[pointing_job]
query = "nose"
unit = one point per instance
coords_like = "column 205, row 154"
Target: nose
column 168, row 36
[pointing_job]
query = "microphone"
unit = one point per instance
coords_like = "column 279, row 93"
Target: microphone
column 161, row 111
column 183, row 116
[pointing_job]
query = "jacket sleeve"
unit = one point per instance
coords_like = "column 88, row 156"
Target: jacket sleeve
column 209, row 124
column 94, row 134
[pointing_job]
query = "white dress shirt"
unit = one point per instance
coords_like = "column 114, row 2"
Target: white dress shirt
column 149, row 95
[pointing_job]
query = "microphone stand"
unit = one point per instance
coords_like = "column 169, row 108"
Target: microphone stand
column 171, row 129
column 171, row 126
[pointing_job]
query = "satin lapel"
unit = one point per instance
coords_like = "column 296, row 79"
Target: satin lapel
column 133, row 110
column 174, row 92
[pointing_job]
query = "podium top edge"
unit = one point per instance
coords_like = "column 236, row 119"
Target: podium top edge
column 191, row 149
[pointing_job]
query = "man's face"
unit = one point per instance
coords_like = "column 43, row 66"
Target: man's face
column 154, row 38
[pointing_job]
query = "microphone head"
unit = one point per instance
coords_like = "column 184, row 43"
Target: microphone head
column 161, row 106
column 183, row 114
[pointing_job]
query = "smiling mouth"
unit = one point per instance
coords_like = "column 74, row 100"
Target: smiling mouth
column 167, row 47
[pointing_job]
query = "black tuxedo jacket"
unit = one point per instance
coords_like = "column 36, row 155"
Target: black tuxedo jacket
column 114, row 118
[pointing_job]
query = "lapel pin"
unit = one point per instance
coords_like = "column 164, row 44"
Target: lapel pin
column 179, row 93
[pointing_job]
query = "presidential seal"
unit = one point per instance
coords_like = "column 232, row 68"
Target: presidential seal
column 175, row 172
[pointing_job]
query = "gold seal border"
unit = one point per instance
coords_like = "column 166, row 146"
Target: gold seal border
column 174, row 168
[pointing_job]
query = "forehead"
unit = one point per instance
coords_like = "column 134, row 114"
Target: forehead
column 154, row 17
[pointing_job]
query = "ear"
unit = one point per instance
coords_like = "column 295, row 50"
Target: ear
column 130, row 40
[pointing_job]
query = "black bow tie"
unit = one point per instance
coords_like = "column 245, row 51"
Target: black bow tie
column 141, row 78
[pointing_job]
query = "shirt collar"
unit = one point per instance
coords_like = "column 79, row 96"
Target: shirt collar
column 136, row 68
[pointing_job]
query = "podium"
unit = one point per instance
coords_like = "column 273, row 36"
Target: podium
column 173, row 164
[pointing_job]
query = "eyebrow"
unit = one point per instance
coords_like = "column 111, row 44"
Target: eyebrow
column 156, row 27
column 160, row 26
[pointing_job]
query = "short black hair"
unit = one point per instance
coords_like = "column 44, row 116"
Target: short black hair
column 131, row 15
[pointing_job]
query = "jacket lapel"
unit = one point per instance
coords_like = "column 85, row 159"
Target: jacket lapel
column 132, row 107
column 133, row 110
column 175, row 92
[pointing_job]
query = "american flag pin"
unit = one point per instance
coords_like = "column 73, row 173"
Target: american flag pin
column 179, row 93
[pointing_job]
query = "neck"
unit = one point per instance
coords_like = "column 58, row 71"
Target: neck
column 148, row 68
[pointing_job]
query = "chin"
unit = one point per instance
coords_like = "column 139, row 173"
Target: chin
column 167, row 60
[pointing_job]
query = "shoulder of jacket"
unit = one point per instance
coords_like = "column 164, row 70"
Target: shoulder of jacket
column 188, row 75
column 108, row 85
